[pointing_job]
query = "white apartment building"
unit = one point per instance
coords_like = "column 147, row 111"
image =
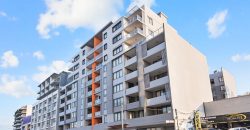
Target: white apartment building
column 136, row 73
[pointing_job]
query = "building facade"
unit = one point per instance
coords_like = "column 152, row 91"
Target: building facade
column 223, row 84
column 136, row 73
column 45, row 110
column 19, row 115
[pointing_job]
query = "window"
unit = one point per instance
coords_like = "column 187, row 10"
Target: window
column 83, row 52
column 105, row 47
column 117, row 74
column 222, row 88
column 117, row 26
column 221, row 79
column 117, row 50
column 83, row 71
column 76, row 76
column 117, row 88
column 117, row 61
column 105, row 35
column 212, row 81
column 76, row 58
column 150, row 20
column 83, row 62
column 117, row 116
column 151, row 32
column 76, row 66
column 105, row 57
column 105, row 119
column 117, row 38
column 105, row 68
column 118, row 101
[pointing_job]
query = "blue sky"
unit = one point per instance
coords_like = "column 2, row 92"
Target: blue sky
column 39, row 37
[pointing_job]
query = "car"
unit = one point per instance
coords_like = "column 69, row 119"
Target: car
column 238, row 128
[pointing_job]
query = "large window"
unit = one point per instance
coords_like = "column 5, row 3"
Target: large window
column 118, row 88
column 117, row 26
column 150, row 20
column 117, row 50
column 118, row 101
column 117, row 38
column 117, row 116
column 117, row 74
column 117, row 61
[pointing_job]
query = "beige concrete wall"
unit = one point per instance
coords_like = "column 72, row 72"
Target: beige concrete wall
column 228, row 106
column 188, row 74
column 230, row 83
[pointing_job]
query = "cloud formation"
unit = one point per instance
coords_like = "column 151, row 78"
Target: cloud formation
column 39, row 55
column 45, row 71
column 74, row 14
column 2, row 14
column 15, row 86
column 9, row 60
column 216, row 24
column 239, row 57
column 133, row 3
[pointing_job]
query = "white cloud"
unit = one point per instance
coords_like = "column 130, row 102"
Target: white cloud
column 239, row 57
column 45, row 71
column 9, row 60
column 15, row 86
column 215, row 24
column 2, row 14
column 139, row 3
column 39, row 55
column 73, row 14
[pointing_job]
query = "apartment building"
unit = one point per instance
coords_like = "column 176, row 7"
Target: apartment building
column 45, row 110
column 19, row 115
column 223, row 84
column 136, row 73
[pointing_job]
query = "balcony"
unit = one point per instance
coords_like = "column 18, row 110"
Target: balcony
column 89, row 115
column 89, row 82
column 133, row 22
column 98, row 114
column 155, row 66
column 134, row 36
column 156, row 49
column 90, row 51
column 89, row 62
column 131, row 75
column 97, row 90
column 89, row 72
column 98, row 67
column 155, row 84
column 98, row 78
column 158, row 101
column 133, row 105
column 98, row 102
column 131, row 91
column 131, row 61
column 89, row 93
column 89, row 104
column 98, row 46
column 98, row 56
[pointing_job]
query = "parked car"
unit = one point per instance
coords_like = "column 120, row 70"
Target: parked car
column 238, row 128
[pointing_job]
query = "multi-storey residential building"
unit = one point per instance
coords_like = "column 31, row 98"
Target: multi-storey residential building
column 44, row 111
column 223, row 84
column 19, row 115
column 137, row 73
